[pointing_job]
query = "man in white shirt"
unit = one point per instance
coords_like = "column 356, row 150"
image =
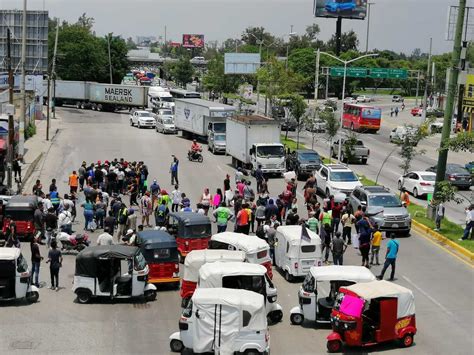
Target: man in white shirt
column 469, row 222
column 175, row 198
column 46, row 204
column 105, row 238
column 65, row 220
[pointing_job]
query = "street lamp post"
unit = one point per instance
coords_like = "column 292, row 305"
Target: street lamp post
column 369, row 4
column 345, row 62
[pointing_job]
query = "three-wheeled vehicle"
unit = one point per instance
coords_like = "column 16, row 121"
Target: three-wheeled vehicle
column 161, row 254
column 369, row 313
column 99, row 273
column 15, row 277
column 191, row 230
column 246, row 276
column 318, row 292
column 193, row 263
column 295, row 255
column 223, row 321
column 21, row 209
column 256, row 250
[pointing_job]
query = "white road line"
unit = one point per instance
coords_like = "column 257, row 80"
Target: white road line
column 219, row 167
column 448, row 312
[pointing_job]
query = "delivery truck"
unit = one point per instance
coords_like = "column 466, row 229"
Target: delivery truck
column 95, row 96
column 254, row 141
column 201, row 118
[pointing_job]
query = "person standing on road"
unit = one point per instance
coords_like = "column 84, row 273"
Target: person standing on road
column 174, row 171
column 175, row 199
column 325, row 235
column 12, row 237
column 73, row 182
column 17, row 168
column 226, row 187
column 146, row 208
column 82, row 175
column 390, row 257
column 347, row 220
column 312, row 223
column 109, row 222
column 38, row 188
column 51, row 222
column 469, row 222
column 439, row 215
column 35, row 261
column 338, row 247
column 205, row 201
column 122, row 221
column 88, row 213
column 336, row 216
column 105, row 238
column 55, row 260
column 65, row 220
column 38, row 219
column 161, row 214
column 155, row 191
column 222, row 215
column 396, row 111
column 376, row 241
column 259, row 177
column 131, row 219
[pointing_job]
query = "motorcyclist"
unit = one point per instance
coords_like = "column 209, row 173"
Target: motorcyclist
column 195, row 148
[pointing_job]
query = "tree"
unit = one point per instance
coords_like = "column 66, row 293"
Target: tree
column 131, row 44
column 183, row 71
column 231, row 45
column 332, row 126
column 348, row 149
column 297, row 107
column 215, row 80
column 253, row 34
column 446, row 192
column 349, row 42
column 461, row 142
column 85, row 22
column 118, row 54
column 302, row 61
column 312, row 31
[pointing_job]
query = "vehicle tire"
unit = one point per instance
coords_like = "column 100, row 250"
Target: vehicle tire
column 251, row 352
column 176, row 345
column 83, row 296
column 296, row 319
column 407, row 340
column 32, row 297
column 200, row 159
column 276, row 316
column 131, row 122
column 139, row 125
column 150, row 295
column 83, row 106
column 288, row 276
column 334, row 346
column 93, row 107
column 415, row 193
column 99, row 107
column 78, row 105
column 399, row 185
column 364, row 161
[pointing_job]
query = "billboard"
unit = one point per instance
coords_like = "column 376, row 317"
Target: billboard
column 352, row 9
column 241, row 63
column 193, row 41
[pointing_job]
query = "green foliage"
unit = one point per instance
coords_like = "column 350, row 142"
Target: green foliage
column 302, row 61
column 408, row 150
column 349, row 144
column 349, row 42
column 182, row 72
column 30, row 131
column 215, row 80
column 461, row 142
column 291, row 144
column 446, row 192
column 332, row 126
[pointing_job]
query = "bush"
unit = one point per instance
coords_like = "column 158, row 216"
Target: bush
column 30, row 131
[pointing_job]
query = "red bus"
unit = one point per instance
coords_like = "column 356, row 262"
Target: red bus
column 361, row 118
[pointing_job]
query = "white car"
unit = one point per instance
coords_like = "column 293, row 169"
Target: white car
column 363, row 98
column 350, row 100
column 418, row 183
column 333, row 179
column 142, row 119
column 398, row 134
column 165, row 123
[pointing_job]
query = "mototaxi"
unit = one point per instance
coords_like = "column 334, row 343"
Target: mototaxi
column 191, row 230
column 99, row 273
column 160, row 251
column 15, row 277
column 21, row 210
column 257, row 250
column 242, row 276
column 193, row 263
column 223, row 321
column 370, row 313
column 318, row 292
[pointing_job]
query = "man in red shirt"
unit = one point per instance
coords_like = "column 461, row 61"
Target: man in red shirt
column 336, row 216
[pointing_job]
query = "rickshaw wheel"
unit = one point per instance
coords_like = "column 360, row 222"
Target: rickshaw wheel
column 276, row 316
column 32, row 297
column 296, row 319
column 83, row 296
column 407, row 340
column 334, row 346
column 176, row 345
column 150, row 295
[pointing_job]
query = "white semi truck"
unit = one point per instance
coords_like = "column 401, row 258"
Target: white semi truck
column 254, row 141
column 201, row 118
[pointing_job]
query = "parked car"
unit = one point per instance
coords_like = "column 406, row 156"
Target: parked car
column 383, row 207
column 397, row 98
column 363, row 98
column 419, row 183
column 470, row 167
column 359, row 152
column 416, row 111
column 165, row 123
column 434, row 112
column 141, row 119
column 399, row 134
column 317, row 126
column 289, row 125
column 350, row 100
column 336, row 178
column 456, row 174
column 303, row 162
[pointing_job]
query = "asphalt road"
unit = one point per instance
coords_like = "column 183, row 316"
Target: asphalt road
column 381, row 148
column 57, row 324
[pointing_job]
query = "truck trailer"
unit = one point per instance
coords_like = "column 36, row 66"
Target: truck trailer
column 254, row 141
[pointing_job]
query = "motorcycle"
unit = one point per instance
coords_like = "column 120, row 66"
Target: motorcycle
column 195, row 156
column 75, row 242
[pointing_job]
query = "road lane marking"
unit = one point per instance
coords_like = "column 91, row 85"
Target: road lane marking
column 219, row 167
column 443, row 308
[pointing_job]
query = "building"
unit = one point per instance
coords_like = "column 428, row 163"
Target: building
column 36, row 40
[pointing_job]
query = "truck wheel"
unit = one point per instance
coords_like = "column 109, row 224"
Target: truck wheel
column 296, row 319
column 78, row 105
column 99, row 107
column 176, row 345
column 364, row 161
column 288, row 276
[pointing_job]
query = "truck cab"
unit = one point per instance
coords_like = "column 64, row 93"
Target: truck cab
column 270, row 156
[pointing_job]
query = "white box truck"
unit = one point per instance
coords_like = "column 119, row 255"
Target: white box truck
column 197, row 117
column 253, row 141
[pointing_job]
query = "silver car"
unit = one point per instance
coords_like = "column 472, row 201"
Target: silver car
column 216, row 142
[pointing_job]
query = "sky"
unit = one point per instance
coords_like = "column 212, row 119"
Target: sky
column 398, row 25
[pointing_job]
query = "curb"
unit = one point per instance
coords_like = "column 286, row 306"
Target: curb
column 440, row 238
column 30, row 169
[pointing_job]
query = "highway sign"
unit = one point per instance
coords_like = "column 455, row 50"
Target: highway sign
column 378, row 73
column 397, row 73
column 352, row 72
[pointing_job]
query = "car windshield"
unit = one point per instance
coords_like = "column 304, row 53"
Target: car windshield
column 166, row 99
column 384, row 201
column 343, row 176
column 166, row 112
column 219, row 138
column 456, row 170
column 270, row 151
column 309, row 156
column 428, row 177
column 199, row 230
column 167, row 121
column 145, row 114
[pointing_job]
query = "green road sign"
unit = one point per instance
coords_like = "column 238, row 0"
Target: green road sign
column 398, row 73
column 352, row 72
column 378, row 73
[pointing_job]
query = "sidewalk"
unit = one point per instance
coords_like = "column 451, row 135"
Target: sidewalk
column 36, row 149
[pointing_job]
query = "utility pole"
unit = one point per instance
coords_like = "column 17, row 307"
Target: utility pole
column 453, row 82
column 288, row 46
column 11, row 125
column 110, row 57
column 417, row 87
column 21, row 145
column 368, row 26
column 48, row 106
column 427, row 83
column 53, row 71
column 260, row 42
column 316, row 77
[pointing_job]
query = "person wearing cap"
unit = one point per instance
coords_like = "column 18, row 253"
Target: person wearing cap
column 131, row 238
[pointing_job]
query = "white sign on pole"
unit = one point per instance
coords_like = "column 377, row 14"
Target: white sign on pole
column 241, row 63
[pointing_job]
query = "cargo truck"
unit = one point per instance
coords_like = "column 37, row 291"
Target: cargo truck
column 255, row 140
column 95, row 96
column 202, row 118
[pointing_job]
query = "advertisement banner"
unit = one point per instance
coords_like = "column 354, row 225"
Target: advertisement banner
column 351, row 9
column 468, row 99
column 193, row 41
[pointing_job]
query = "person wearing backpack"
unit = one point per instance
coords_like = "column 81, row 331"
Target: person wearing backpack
column 161, row 214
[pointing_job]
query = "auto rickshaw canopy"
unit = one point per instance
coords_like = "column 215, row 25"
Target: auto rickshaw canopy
column 249, row 243
column 211, row 274
column 20, row 202
column 156, row 239
column 196, row 258
column 384, row 289
column 342, row 273
column 9, row 253
column 190, row 218
column 87, row 260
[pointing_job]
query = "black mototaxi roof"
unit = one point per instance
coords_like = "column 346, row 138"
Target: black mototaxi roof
column 21, row 202
column 87, row 260
column 190, row 218
column 156, row 239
